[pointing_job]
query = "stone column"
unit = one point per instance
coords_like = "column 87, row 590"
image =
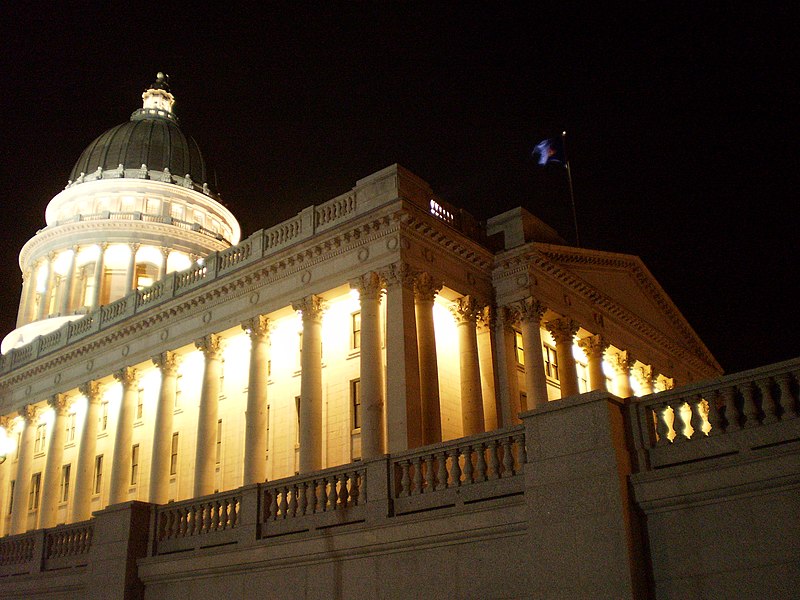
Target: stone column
column 403, row 408
column 28, row 287
column 373, row 444
column 530, row 313
column 167, row 363
column 563, row 331
column 84, row 474
column 425, row 290
column 257, row 415
column 66, row 293
column 646, row 378
column 162, row 269
column 507, row 382
column 134, row 248
column 43, row 309
column 204, row 465
column 595, row 347
column 4, row 466
column 120, row 468
column 488, row 360
column 98, row 274
column 623, row 363
column 310, row 433
column 19, row 514
column 48, row 515
column 465, row 311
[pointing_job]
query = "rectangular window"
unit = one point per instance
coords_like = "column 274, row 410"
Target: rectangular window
column 355, row 400
column 583, row 377
column 135, row 464
column 11, row 496
column 297, row 418
column 140, row 404
column 177, row 211
column 41, row 438
column 70, row 437
column 519, row 348
column 550, row 361
column 98, row 474
column 219, row 441
column 355, row 336
column 36, row 489
column 178, row 389
column 103, row 416
column 63, row 490
column 173, row 456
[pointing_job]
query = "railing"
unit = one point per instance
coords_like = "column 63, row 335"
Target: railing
column 58, row 548
column 335, row 209
column 717, row 417
column 283, row 233
column 17, row 550
column 68, row 540
column 195, row 523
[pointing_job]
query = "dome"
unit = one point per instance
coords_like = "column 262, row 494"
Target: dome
column 151, row 137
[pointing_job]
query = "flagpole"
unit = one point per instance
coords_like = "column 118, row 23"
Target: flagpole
column 571, row 191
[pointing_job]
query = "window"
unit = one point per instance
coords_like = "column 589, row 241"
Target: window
column 355, row 336
column 550, row 361
column 178, row 389
column 98, row 474
column 583, row 377
column 70, row 437
column 355, row 400
column 41, row 438
column 36, row 489
column 297, row 418
column 177, row 211
column 135, row 464
column 63, row 491
column 140, row 404
column 519, row 349
column 11, row 496
column 173, row 456
column 103, row 416
column 219, row 441
column 146, row 274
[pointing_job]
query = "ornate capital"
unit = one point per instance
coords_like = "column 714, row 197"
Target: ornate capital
column 91, row 390
column 28, row 413
column 645, row 375
column 311, row 307
column 127, row 376
column 401, row 274
column 593, row 345
column 167, row 362
column 210, row 345
column 59, row 403
column 622, row 361
column 563, row 330
column 257, row 327
column 529, row 309
column 426, row 287
column 466, row 309
column 487, row 317
column 369, row 285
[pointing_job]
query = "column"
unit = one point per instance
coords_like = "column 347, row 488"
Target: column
column 622, row 362
column 28, row 287
column 3, row 468
column 373, row 444
column 403, row 409
column 44, row 297
column 257, row 415
column 162, row 269
column 311, row 384
column 48, row 515
column 134, row 248
column 530, row 313
column 66, row 293
column 507, row 382
column 167, row 363
column 563, row 331
column 98, row 274
column 466, row 311
column 595, row 348
column 204, row 465
column 19, row 514
column 121, row 467
column 646, row 376
column 81, row 502
column 425, row 290
column 487, row 361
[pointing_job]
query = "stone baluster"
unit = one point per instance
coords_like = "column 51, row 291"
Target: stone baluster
column 731, row 410
column 508, row 457
column 120, row 468
column 768, row 405
column 466, row 311
column 714, row 416
column 205, row 463
column 468, row 469
column 595, row 347
column 81, row 502
column 494, row 460
column 418, row 475
column 480, row 463
column 19, row 513
column 425, row 290
column 167, row 363
column 257, row 415
column 749, row 408
column 311, row 308
column 662, row 427
column 697, row 419
column 563, row 331
column 784, row 381
column 48, row 516
column 441, row 475
column 430, row 474
column 405, row 480
column 678, row 425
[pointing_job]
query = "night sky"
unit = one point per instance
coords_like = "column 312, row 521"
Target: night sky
column 678, row 124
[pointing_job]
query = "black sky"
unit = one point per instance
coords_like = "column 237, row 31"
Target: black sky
column 678, row 120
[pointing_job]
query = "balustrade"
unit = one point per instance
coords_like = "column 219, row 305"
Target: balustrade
column 68, row 540
column 17, row 550
column 327, row 491
column 198, row 517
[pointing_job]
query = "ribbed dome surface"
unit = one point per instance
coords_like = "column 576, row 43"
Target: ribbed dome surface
column 155, row 141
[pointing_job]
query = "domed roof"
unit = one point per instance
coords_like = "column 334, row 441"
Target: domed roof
column 152, row 137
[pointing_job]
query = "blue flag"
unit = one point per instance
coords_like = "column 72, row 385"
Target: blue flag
column 549, row 151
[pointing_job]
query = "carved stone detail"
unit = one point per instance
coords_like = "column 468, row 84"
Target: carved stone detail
column 369, row 285
column 167, row 362
column 529, row 309
column 466, row 309
column 210, row 345
column 127, row 376
column 91, row 390
column 426, row 287
column 594, row 345
column 59, row 403
column 399, row 273
column 563, row 330
column 28, row 413
column 257, row 327
column 311, row 307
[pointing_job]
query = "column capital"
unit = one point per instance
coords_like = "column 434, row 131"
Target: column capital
column 127, row 376
column 311, row 307
column 645, row 375
column 665, row 383
column 28, row 413
column 399, row 274
column 166, row 251
column 426, row 287
column 103, row 246
column 487, row 318
column 369, row 285
column 563, row 330
column 466, row 309
column 257, row 327
column 134, row 246
column 593, row 345
column 167, row 362
column 210, row 345
column 91, row 390
column 528, row 309
column 59, row 403
column 622, row 361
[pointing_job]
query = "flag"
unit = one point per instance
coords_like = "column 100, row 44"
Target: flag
column 549, row 151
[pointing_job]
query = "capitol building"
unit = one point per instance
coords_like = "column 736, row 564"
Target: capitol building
column 380, row 396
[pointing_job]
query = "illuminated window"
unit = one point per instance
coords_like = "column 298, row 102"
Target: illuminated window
column 583, row 377
column 355, row 399
column 297, row 418
column 98, row 474
column 173, row 457
column 70, row 437
column 355, row 336
column 41, row 438
column 219, row 441
column 103, row 416
column 36, row 489
column 177, row 211
column 11, row 495
column 519, row 348
column 146, row 275
column 140, row 403
column 63, row 490
column 152, row 206
column 135, row 464
column 550, row 361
